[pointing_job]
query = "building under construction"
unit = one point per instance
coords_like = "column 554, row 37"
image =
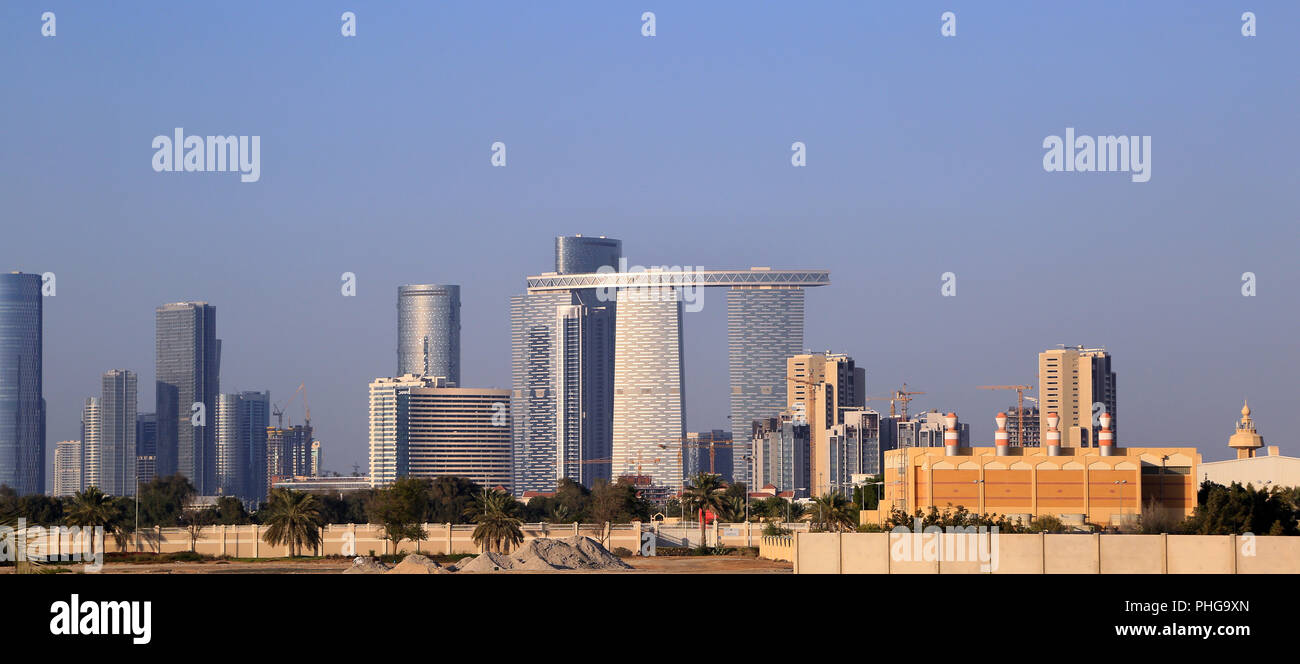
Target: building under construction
column 1030, row 418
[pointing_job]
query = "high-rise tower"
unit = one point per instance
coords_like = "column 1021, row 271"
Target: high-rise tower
column 187, row 384
column 562, row 360
column 117, row 456
column 22, row 402
column 1078, row 385
column 764, row 327
column 428, row 331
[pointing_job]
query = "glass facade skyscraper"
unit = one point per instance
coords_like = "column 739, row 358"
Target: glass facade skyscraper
column 649, row 387
column 576, row 254
column 117, row 416
column 764, row 327
column 241, row 429
column 22, row 402
column 561, row 391
column 428, row 331
column 562, row 362
column 187, row 372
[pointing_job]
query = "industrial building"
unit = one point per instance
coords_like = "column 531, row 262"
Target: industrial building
column 1106, row 485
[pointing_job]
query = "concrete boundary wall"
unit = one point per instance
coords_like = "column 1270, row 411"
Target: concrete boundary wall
column 986, row 553
column 362, row 539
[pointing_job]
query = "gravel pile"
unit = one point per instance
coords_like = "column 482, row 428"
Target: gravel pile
column 417, row 564
column 486, row 562
column 366, row 565
column 547, row 555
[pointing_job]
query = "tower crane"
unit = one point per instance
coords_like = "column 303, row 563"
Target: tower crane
column 278, row 412
column 1020, row 406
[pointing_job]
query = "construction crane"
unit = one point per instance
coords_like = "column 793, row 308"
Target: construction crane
column 811, row 384
column 712, row 446
column 891, row 400
column 278, row 412
column 1020, row 407
column 905, row 397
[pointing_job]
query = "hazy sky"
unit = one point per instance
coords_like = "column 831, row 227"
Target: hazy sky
column 924, row 156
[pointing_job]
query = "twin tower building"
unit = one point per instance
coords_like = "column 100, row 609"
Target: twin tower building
column 597, row 388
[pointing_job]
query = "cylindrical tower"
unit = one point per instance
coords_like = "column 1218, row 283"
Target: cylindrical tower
column 951, row 437
column 577, row 254
column 428, row 331
column 1000, row 435
column 1052, row 437
column 1106, row 437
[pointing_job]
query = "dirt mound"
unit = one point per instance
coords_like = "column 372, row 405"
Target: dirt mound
column 366, row 565
column 547, row 555
column 599, row 556
column 486, row 562
column 417, row 564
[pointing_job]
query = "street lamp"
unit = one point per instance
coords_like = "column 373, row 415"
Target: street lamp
column 787, row 505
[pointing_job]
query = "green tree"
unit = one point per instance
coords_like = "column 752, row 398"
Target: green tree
column 832, row 512
column 496, row 513
column 617, row 502
column 41, row 510
column 448, row 497
column 401, row 509
column 705, row 494
column 347, row 508
column 88, row 509
column 163, row 501
column 194, row 521
column 575, row 498
column 122, row 510
column 292, row 518
column 230, row 511
column 1237, row 509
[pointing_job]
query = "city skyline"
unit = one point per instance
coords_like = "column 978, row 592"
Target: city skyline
column 931, row 165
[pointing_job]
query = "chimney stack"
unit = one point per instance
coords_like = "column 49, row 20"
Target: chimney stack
column 951, row 437
column 1000, row 436
column 1052, row 437
column 1106, row 437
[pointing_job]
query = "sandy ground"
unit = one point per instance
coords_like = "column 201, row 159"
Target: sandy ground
column 656, row 565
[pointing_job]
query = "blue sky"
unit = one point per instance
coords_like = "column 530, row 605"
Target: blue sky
column 924, row 157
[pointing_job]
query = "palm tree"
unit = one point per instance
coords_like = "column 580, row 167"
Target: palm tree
column 496, row 513
column 90, row 508
column 294, row 519
column 735, row 509
column 706, row 494
column 9, row 519
column 834, row 512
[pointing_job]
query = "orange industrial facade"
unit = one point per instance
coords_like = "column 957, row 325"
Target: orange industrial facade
column 1078, row 484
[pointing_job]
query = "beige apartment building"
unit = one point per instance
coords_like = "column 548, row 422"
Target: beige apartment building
column 1071, row 380
column 458, row 431
column 820, row 387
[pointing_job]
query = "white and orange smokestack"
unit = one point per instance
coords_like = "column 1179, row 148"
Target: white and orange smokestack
column 951, row 438
column 1052, row 437
column 1000, row 436
column 1106, row 437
